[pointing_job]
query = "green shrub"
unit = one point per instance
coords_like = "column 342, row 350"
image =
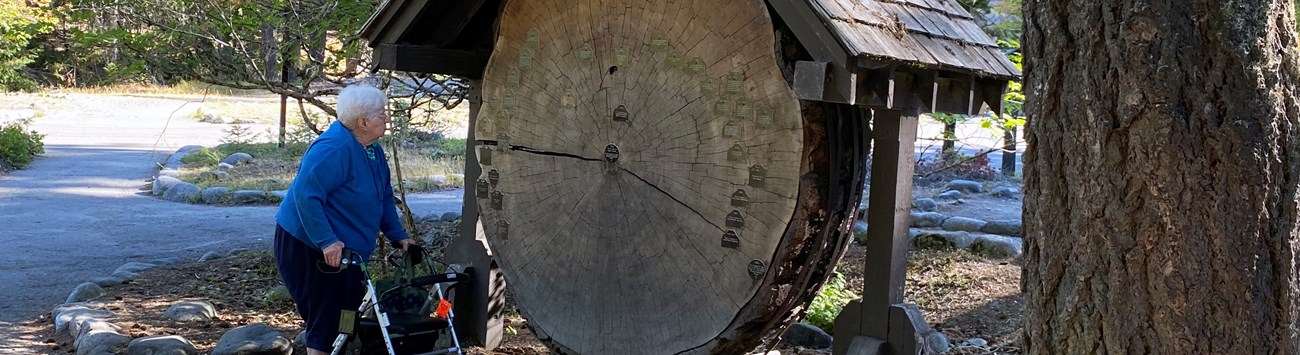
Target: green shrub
column 448, row 148
column 828, row 303
column 18, row 146
column 204, row 156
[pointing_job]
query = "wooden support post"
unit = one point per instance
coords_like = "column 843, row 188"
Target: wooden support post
column 880, row 323
column 479, row 307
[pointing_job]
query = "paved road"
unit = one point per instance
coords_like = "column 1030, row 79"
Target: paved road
column 80, row 211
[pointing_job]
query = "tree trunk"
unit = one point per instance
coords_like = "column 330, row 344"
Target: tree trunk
column 651, row 184
column 1161, row 177
column 949, row 139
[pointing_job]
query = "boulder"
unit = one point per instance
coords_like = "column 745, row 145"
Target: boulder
column 1005, row 192
column 1007, row 227
column 191, row 311
column 69, row 314
column 172, row 260
column 169, row 172
column 975, row 342
column 966, row 186
column 101, row 343
column 106, row 281
column 860, row 232
column 249, row 196
column 238, row 158
column 925, row 205
column 161, row 345
column 214, row 175
column 224, row 166
column 997, row 246
column 951, row 195
column 216, row 195
column 182, row 192
column 450, row 216
column 942, row 240
column 87, row 326
column 927, row 219
column 963, row 224
column 86, row 291
column 808, row 336
column 132, row 269
column 938, row 342
column 163, row 183
column 252, row 339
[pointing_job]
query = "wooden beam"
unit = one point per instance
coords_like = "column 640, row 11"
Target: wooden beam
column 956, row 94
column 428, row 59
column 991, row 91
column 865, row 323
column 811, row 32
column 810, row 80
column 378, row 23
column 443, row 24
column 925, row 87
column 479, row 307
column 401, row 21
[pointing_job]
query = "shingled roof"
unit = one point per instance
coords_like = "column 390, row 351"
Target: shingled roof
column 936, row 33
column 454, row 37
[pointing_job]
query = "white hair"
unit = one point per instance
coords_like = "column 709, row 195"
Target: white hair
column 359, row 101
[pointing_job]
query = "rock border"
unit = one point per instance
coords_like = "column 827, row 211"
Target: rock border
column 83, row 318
column 167, row 185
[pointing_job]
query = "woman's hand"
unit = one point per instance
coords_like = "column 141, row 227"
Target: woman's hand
column 404, row 243
column 333, row 254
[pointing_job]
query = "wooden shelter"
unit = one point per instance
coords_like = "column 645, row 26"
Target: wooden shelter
column 674, row 176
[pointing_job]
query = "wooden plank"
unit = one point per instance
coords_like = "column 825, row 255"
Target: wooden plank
column 377, row 24
column 427, row 59
column 447, row 24
column 821, row 43
column 892, row 158
column 479, row 307
column 402, row 20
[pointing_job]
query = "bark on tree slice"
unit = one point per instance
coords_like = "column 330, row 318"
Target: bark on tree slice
column 645, row 170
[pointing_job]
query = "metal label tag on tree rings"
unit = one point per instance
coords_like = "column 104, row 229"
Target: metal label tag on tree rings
column 696, row 66
column 494, row 177
column 708, row 87
column 586, row 52
column 533, row 39
column 736, row 154
column 620, row 114
column 481, row 188
column 722, row 108
column 735, row 81
column 735, row 219
column 620, row 56
column 659, row 42
column 525, row 58
column 730, row 240
column 512, row 76
column 764, row 119
column 743, row 108
column 757, row 269
column 739, row 198
column 757, row 176
column 485, row 155
column 731, row 130
column 674, row 60
column 498, row 200
column 611, row 153
column 503, row 229
column 569, row 100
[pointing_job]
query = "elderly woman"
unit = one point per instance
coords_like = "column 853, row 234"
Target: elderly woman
column 341, row 198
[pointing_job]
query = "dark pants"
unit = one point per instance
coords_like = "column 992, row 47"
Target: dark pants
column 318, row 290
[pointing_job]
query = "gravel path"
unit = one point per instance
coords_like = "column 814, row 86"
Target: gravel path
column 81, row 210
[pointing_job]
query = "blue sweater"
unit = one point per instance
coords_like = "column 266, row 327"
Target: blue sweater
column 341, row 194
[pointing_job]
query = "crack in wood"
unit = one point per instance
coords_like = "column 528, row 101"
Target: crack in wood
column 656, row 187
column 520, row 148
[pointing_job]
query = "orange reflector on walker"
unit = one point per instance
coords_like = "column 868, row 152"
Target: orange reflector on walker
column 444, row 308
